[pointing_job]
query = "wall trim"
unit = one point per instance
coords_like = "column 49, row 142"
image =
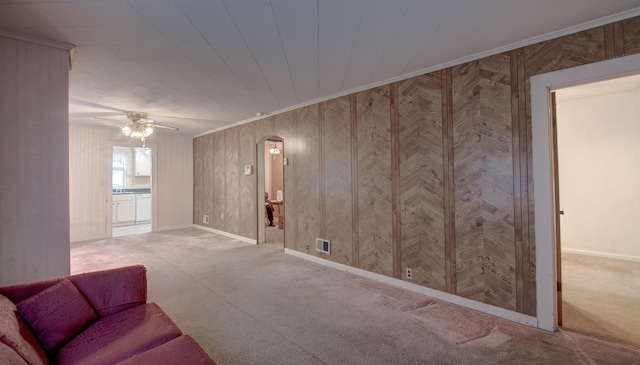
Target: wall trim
column 450, row 298
column 37, row 40
column 90, row 237
column 226, row 234
column 476, row 56
column 605, row 255
column 171, row 228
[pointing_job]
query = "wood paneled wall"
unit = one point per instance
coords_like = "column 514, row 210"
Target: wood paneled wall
column 431, row 173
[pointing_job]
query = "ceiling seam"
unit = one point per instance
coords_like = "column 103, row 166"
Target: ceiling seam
column 284, row 51
column 216, row 52
column 373, row 72
column 252, row 55
column 346, row 72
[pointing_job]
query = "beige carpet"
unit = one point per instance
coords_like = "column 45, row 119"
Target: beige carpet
column 248, row 304
column 601, row 297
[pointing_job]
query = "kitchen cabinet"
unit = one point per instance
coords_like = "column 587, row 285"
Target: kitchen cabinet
column 143, row 207
column 124, row 208
column 143, row 161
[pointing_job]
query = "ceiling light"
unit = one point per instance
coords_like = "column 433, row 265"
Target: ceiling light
column 274, row 150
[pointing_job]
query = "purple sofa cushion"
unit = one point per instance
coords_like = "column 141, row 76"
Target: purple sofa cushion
column 57, row 314
column 179, row 351
column 119, row 336
column 15, row 336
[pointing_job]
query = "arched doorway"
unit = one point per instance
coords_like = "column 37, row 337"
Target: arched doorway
column 270, row 175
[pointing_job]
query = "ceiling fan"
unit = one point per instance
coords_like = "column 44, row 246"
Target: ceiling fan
column 140, row 126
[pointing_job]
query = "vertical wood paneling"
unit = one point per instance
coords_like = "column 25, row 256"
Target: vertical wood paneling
column 374, row 180
column 497, row 182
column 355, row 255
column 337, row 172
column 199, row 180
column 232, row 181
column 484, row 181
column 631, row 36
column 421, row 179
column 308, row 169
column 292, row 235
column 208, row 170
column 247, row 218
column 448, row 182
column 283, row 127
column 520, row 182
column 396, row 229
column 321, row 172
column 467, row 157
column 216, row 202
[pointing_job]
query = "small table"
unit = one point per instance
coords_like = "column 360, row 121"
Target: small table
column 277, row 204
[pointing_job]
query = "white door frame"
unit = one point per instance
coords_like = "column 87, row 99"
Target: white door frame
column 109, row 184
column 542, row 145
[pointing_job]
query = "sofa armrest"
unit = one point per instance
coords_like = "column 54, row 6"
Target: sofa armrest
column 114, row 290
column 108, row 291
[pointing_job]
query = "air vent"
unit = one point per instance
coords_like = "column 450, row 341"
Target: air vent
column 323, row 245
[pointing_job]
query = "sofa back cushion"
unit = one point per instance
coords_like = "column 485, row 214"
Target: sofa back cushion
column 57, row 314
column 16, row 337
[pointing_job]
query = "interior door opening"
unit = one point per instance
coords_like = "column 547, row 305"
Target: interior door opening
column 597, row 174
column 271, row 207
column 131, row 189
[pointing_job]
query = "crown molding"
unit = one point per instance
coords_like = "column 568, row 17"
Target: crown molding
column 37, row 40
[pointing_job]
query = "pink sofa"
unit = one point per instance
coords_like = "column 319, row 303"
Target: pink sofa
column 94, row 318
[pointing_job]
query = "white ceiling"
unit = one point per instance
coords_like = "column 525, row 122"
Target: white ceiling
column 203, row 64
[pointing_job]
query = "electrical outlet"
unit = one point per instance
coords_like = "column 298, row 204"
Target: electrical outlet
column 409, row 274
column 307, row 248
column 222, row 216
column 205, row 219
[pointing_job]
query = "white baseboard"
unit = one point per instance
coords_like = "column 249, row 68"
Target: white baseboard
column 602, row 254
column 91, row 237
column 171, row 228
column 450, row 298
column 227, row 234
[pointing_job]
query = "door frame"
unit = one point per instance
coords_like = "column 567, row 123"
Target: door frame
column 543, row 171
column 260, row 175
column 109, row 183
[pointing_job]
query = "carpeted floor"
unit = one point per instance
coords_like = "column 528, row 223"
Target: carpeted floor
column 601, row 297
column 248, row 304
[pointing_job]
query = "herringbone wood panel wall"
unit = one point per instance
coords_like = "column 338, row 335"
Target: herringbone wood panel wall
column 431, row 173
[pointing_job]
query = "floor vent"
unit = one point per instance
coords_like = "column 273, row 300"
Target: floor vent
column 323, row 245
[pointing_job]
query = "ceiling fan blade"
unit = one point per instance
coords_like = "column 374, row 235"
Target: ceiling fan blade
column 90, row 104
column 98, row 115
column 156, row 125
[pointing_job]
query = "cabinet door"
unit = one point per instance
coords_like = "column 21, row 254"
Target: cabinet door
column 143, row 207
column 126, row 210
column 143, row 162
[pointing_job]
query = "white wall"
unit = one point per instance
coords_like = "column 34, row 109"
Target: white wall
column 90, row 161
column 599, row 170
column 34, row 173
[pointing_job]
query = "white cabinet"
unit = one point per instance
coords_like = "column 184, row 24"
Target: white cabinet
column 143, row 207
column 143, row 161
column 124, row 208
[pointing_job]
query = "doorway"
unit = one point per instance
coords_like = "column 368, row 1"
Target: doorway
column 271, row 222
column 598, row 175
column 131, row 189
column 546, row 211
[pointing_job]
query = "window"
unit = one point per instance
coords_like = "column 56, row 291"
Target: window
column 119, row 167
